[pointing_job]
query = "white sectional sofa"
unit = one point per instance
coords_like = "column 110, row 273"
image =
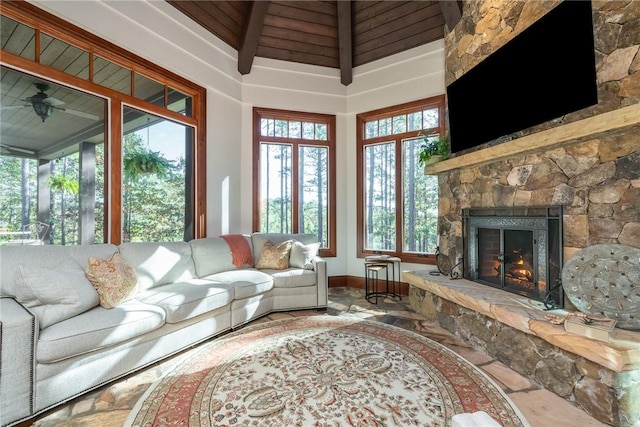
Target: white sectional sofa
column 186, row 292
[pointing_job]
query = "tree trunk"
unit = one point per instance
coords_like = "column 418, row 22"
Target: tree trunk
column 25, row 211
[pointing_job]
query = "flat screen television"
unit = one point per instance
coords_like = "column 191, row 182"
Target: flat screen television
column 545, row 72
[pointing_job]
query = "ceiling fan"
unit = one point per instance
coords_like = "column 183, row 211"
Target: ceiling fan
column 44, row 105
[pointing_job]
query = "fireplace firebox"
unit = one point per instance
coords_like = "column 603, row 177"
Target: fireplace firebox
column 518, row 250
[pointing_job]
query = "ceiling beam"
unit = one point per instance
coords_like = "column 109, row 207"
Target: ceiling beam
column 251, row 36
column 345, row 42
column 450, row 12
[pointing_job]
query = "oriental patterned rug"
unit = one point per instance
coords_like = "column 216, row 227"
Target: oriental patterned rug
column 321, row 371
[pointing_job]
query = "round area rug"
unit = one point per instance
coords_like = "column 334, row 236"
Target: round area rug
column 321, row 371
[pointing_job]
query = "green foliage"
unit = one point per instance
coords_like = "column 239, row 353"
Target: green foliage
column 10, row 191
column 139, row 161
column 433, row 146
column 154, row 208
column 64, row 184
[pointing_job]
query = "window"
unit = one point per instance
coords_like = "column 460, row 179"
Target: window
column 77, row 113
column 398, row 203
column 154, row 178
column 294, row 178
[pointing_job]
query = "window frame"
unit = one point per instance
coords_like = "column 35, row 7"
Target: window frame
column 361, row 142
column 330, row 121
column 45, row 22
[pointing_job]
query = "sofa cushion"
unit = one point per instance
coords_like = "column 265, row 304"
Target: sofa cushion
column 45, row 256
column 293, row 278
column 159, row 263
column 184, row 300
column 114, row 279
column 302, row 255
column 213, row 255
column 275, row 257
column 246, row 282
column 97, row 328
column 54, row 295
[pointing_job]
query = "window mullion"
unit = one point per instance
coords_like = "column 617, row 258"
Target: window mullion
column 399, row 196
column 295, row 185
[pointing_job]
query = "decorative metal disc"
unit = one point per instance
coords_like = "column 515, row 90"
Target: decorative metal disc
column 605, row 279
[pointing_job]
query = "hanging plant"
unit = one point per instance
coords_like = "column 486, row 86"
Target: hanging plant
column 140, row 161
column 64, row 184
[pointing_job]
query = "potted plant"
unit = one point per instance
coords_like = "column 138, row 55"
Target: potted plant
column 435, row 148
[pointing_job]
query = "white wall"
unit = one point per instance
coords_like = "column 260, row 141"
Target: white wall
column 158, row 32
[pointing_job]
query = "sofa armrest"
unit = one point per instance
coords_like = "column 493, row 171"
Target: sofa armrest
column 18, row 334
column 320, row 267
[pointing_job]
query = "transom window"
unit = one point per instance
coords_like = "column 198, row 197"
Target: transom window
column 427, row 119
column 293, row 129
column 398, row 203
column 294, row 182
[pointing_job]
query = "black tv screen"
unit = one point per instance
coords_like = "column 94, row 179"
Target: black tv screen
column 543, row 73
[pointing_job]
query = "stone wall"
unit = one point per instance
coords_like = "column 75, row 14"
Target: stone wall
column 608, row 396
column 486, row 25
column 597, row 181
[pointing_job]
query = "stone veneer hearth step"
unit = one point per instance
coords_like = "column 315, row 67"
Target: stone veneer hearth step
column 621, row 354
column 603, row 378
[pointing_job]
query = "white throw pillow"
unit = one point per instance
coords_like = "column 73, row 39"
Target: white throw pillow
column 302, row 255
column 54, row 295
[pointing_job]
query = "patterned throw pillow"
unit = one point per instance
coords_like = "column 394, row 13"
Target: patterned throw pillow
column 114, row 279
column 275, row 257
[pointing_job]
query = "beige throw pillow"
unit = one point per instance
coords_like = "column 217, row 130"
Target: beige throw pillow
column 114, row 279
column 275, row 257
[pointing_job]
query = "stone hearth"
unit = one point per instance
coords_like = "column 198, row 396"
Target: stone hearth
column 602, row 378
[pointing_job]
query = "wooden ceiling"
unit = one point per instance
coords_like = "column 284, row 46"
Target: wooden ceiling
column 338, row 34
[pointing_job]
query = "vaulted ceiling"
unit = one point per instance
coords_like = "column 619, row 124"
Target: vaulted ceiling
column 338, row 34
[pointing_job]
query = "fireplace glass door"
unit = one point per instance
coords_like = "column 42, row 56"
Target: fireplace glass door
column 515, row 252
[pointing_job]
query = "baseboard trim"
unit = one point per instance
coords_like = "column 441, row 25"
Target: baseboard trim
column 358, row 283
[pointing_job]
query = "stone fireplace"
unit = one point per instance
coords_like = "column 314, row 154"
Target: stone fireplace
column 587, row 162
column 518, row 250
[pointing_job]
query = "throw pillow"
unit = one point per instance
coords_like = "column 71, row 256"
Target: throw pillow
column 275, row 257
column 54, row 295
column 114, row 279
column 302, row 255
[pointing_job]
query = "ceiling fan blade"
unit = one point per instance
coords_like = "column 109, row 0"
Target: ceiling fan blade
column 80, row 114
column 54, row 102
column 14, row 107
column 17, row 149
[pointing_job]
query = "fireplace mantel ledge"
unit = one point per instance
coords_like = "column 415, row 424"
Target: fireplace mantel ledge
column 622, row 354
column 592, row 127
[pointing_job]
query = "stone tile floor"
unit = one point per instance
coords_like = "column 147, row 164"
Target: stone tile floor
column 110, row 405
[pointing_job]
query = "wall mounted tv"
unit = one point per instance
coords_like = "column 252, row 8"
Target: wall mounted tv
column 545, row 72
